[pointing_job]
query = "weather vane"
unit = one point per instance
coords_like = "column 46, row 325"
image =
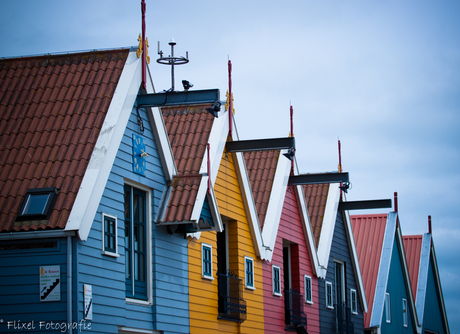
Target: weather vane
column 171, row 60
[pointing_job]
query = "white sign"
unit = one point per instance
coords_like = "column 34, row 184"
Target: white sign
column 88, row 293
column 50, row 283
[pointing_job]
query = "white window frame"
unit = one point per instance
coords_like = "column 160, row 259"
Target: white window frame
column 354, row 301
column 405, row 316
column 203, row 274
column 388, row 307
column 253, row 287
column 104, row 252
column 148, row 207
column 331, row 304
column 279, row 294
column 305, row 279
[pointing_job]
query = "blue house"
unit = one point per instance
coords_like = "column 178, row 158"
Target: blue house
column 84, row 169
column 342, row 300
column 426, row 283
column 383, row 261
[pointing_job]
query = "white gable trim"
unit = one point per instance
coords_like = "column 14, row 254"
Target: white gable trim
column 384, row 271
column 423, row 275
column 104, row 153
column 307, row 228
column 355, row 260
column 276, row 203
column 327, row 230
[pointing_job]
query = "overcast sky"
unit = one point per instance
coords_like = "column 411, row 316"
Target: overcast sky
column 381, row 76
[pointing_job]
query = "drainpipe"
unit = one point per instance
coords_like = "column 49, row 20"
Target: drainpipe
column 69, row 284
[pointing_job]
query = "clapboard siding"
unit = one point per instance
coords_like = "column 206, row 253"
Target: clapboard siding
column 203, row 292
column 433, row 319
column 290, row 229
column 169, row 309
column 340, row 250
column 20, row 285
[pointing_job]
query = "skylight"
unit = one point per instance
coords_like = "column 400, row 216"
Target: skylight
column 38, row 203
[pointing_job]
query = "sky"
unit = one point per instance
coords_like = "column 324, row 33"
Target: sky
column 383, row 77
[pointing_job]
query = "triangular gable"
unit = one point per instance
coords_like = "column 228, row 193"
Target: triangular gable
column 421, row 258
column 189, row 129
column 325, row 209
column 392, row 236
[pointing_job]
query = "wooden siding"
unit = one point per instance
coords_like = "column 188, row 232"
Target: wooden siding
column 20, row 285
column 340, row 250
column 106, row 274
column 203, row 292
column 290, row 229
column 433, row 319
column 397, row 290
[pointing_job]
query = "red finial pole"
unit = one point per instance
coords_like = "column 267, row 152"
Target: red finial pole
column 292, row 135
column 230, row 98
column 340, row 158
column 429, row 224
column 396, row 201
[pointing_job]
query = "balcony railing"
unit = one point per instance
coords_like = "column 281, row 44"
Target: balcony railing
column 343, row 319
column 293, row 306
column 231, row 303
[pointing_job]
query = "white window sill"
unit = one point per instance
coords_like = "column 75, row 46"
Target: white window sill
column 139, row 302
column 110, row 254
column 249, row 287
column 277, row 294
column 210, row 278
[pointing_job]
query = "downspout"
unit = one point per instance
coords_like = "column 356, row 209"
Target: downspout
column 69, row 284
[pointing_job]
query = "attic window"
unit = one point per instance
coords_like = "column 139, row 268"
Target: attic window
column 38, row 203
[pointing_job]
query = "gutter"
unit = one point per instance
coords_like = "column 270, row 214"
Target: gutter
column 69, row 284
column 36, row 235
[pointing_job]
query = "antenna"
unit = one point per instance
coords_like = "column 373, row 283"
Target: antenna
column 171, row 60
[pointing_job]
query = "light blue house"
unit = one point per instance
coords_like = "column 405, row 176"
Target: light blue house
column 84, row 170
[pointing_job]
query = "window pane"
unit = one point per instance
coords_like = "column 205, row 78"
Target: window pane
column 36, row 204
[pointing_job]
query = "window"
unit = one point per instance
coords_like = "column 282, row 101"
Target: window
column 329, row 300
column 137, row 228
column 276, row 280
column 38, row 204
column 387, row 307
column 405, row 319
column 308, row 294
column 206, row 261
column 109, row 235
column 354, row 301
column 249, row 272
column 339, row 284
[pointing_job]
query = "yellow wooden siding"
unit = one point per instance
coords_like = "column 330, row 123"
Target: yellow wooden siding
column 203, row 295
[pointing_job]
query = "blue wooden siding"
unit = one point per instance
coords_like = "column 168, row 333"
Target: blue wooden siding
column 340, row 250
column 397, row 290
column 169, row 312
column 20, row 285
column 433, row 320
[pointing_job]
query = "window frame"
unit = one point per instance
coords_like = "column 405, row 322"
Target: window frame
column 148, row 240
column 405, row 315
column 249, row 285
column 104, row 232
column 204, row 274
column 52, row 193
column 354, row 301
column 274, row 281
column 328, row 285
column 305, row 279
column 388, row 307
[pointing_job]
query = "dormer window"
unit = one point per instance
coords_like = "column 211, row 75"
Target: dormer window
column 38, row 204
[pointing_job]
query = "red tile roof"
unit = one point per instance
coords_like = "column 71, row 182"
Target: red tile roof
column 413, row 249
column 188, row 129
column 369, row 231
column 316, row 198
column 51, row 111
column 261, row 167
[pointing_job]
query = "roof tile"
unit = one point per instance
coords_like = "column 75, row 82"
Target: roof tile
column 413, row 249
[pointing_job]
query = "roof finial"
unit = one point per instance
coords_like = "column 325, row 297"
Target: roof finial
column 396, row 201
column 171, row 60
column 230, row 99
column 429, row 224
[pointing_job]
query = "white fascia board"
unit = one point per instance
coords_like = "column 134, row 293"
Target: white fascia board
column 104, row 153
column 308, row 232
column 250, row 205
column 212, row 201
column 354, row 259
column 327, row 229
column 384, row 271
column 199, row 200
column 423, row 275
column 276, row 203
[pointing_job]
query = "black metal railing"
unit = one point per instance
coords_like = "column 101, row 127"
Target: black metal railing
column 232, row 306
column 343, row 319
column 293, row 307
